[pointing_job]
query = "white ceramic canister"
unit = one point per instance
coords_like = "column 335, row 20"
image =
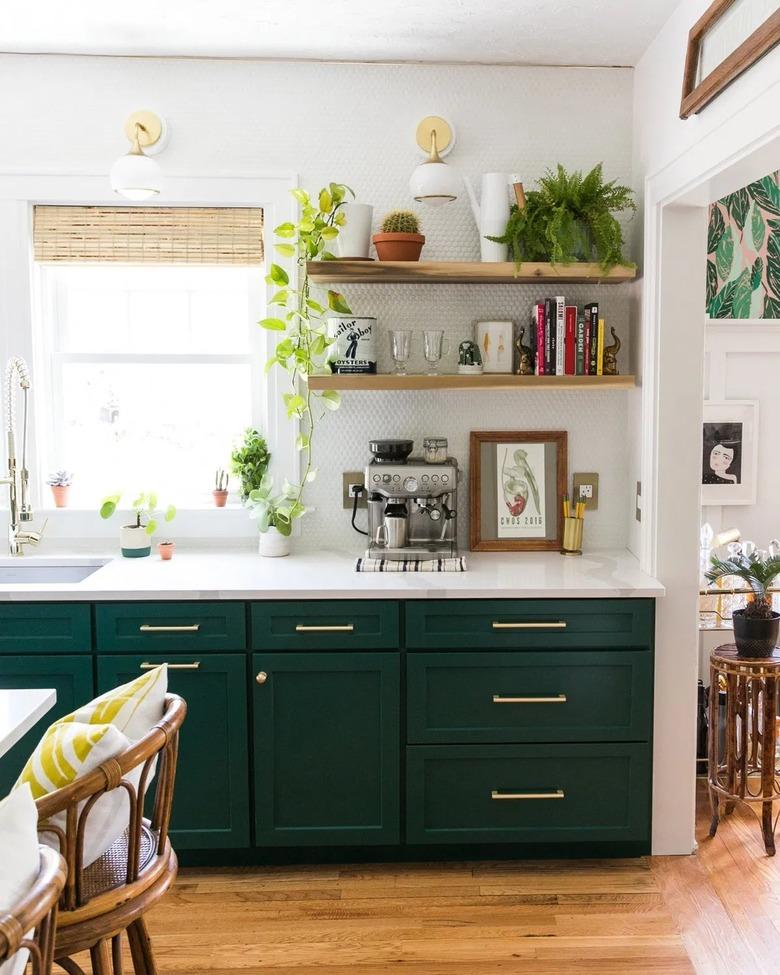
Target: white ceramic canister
column 354, row 237
column 355, row 347
column 134, row 542
column 495, row 345
column 273, row 545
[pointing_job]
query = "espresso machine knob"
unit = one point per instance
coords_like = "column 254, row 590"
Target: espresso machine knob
column 410, row 484
column 434, row 514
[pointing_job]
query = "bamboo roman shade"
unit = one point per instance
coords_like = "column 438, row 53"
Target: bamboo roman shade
column 148, row 235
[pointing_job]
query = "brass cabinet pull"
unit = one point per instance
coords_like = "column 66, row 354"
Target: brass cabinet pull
column 262, row 677
column 555, row 794
column 195, row 665
column 188, row 628
column 343, row 628
column 558, row 699
column 559, row 625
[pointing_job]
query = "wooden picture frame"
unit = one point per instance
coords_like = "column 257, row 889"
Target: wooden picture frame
column 539, row 472
column 695, row 95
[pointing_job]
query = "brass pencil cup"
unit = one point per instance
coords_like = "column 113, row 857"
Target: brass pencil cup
column 572, row 536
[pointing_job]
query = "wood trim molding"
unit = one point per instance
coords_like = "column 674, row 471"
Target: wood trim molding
column 761, row 41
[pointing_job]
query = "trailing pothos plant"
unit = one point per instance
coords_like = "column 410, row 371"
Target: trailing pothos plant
column 302, row 349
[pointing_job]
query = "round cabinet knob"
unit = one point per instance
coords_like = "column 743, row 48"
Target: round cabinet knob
column 262, row 677
column 410, row 483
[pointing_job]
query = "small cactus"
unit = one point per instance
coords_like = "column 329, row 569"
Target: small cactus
column 401, row 222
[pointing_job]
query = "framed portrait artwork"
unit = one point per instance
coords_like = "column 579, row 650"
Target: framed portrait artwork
column 517, row 481
column 729, row 458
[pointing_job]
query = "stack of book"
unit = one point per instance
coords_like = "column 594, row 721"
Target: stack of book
column 567, row 340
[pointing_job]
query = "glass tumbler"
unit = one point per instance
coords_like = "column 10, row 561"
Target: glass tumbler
column 400, row 348
column 435, row 347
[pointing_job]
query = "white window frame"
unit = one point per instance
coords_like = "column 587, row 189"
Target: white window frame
column 18, row 195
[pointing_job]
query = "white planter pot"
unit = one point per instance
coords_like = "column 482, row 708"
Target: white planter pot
column 134, row 542
column 273, row 545
column 354, row 237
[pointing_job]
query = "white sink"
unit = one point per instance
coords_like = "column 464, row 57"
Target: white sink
column 23, row 570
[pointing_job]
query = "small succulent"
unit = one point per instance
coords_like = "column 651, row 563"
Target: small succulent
column 221, row 480
column 401, row 222
column 60, row 479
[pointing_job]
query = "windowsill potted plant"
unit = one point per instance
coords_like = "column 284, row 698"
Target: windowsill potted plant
column 274, row 515
column 135, row 541
column 249, row 461
column 60, row 482
column 220, row 492
column 756, row 626
column 400, row 238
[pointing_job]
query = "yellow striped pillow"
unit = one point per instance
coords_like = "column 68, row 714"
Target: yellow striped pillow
column 133, row 707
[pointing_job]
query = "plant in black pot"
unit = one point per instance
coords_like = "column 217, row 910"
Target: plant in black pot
column 756, row 626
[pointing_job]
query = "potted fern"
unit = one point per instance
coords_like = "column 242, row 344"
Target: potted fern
column 400, row 238
column 756, row 626
column 569, row 218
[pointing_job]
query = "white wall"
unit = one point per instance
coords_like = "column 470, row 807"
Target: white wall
column 356, row 123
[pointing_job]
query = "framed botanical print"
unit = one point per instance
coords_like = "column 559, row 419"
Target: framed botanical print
column 729, row 457
column 517, row 482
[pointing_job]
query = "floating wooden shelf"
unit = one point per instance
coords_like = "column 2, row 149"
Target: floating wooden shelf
column 490, row 381
column 463, row 272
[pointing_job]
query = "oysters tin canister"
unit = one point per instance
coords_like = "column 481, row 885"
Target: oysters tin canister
column 354, row 350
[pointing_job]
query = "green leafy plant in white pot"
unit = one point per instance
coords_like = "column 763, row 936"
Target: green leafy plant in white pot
column 274, row 514
column 302, row 348
column 135, row 540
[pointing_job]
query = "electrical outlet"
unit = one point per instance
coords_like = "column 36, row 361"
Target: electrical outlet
column 348, row 480
column 586, row 488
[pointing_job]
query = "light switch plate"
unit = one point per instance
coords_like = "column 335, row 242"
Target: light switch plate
column 586, row 488
column 352, row 477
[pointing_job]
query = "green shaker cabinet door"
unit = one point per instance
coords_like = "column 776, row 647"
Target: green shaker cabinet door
column 70, row 676
column 332, row 624
column 211, row 802
column 45, row 628
column 326, row 748
column 170, row 627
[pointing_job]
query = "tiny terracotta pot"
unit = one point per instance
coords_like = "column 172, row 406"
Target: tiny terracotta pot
column 398, row 247
column 60, row 494
column 220, row 497
column 166, row 550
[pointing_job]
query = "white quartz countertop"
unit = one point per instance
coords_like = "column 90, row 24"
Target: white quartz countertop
column 331, row 575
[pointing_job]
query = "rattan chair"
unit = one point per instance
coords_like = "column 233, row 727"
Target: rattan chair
column 38, row 911
column 112, row 894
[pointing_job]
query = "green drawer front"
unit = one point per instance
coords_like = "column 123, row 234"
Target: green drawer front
column 165, row 627
column 70, row 676
column 211, row 803
column 45, row 627
column 533, row 696
column 589, row 793
column 534, row 623
column 325, row 625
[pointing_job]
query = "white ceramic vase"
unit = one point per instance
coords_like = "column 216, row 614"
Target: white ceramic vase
column 134, row 542
column 273, row 545
column 354, row 237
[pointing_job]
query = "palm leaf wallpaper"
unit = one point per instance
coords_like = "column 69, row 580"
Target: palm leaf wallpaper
column 743, row 252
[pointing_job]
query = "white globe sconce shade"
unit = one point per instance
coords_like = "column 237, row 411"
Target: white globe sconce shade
column 135, row 175
column 434, row 182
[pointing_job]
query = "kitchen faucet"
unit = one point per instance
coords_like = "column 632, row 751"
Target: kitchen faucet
column 18, row 479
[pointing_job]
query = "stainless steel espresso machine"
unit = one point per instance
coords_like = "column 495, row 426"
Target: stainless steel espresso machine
column 412, row 505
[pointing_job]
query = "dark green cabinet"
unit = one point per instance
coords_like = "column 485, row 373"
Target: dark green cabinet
column 70, row 676
column 211, row 805
column 170, row 627
column 326, row 737
column 333, row 624
column 45, row 628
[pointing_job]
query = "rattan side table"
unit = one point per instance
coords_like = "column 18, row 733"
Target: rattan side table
column 744, row 770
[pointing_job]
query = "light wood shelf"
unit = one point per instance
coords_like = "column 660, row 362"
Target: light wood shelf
column 463, row 272
column 491, row 381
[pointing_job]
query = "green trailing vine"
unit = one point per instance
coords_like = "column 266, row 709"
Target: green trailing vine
column 569, row 218
column 302, row 349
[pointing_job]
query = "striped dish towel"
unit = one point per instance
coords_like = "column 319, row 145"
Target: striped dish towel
column 457, row 564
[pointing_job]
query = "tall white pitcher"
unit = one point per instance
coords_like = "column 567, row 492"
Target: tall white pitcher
column 491, row 214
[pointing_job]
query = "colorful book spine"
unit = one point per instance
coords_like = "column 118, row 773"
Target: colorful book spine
column 570, row 357
column 560, row 335
column 580, row 357
column 600, row 350
column 549, row 337
column 540, row 338
column 593, row 308
column 588, row 343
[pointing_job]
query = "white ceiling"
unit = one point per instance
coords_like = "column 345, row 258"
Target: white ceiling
column 598, row 32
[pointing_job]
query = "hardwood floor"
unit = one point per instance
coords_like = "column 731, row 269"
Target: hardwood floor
column 717, row 913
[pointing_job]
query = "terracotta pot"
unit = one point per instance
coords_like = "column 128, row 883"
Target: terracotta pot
column 220, row 497
column 755, row 637
column 398, row 247
column 60, row 495
column 166, row 550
